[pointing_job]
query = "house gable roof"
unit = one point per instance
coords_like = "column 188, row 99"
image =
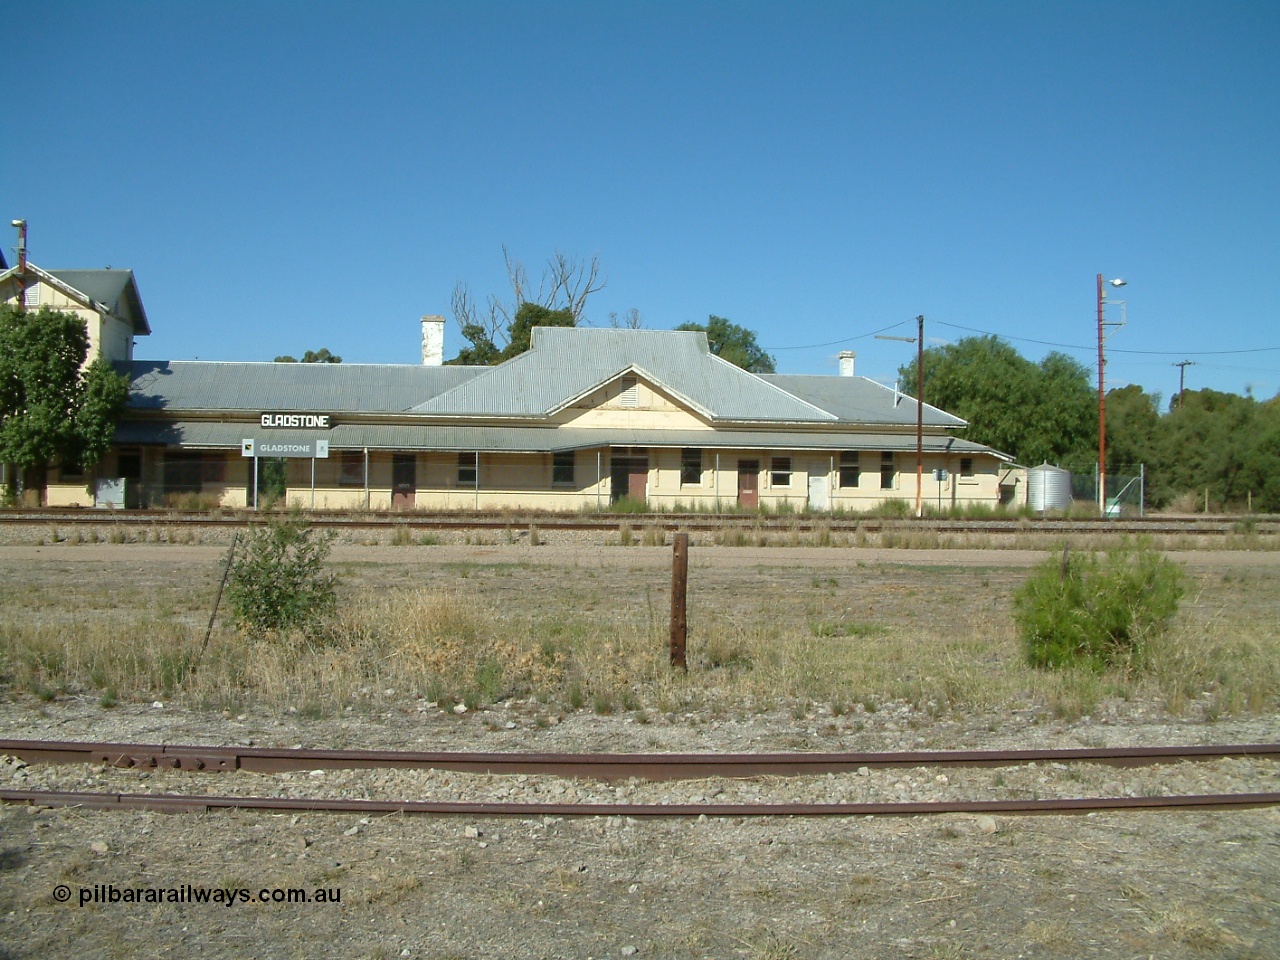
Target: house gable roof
column 564, row 364
column 111, row 291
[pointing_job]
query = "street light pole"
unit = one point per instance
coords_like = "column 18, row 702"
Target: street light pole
column 1102, row 396
column 1102, row 410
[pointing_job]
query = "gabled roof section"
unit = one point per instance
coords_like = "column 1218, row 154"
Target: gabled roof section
column 117, row 290
column 198, row 385
column 859, row 400
column 566, row 363
column 112, row 291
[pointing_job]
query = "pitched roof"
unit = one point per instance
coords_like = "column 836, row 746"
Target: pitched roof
column 117, row 290
column 859, row 400
column 351, row 387
column 564, row 364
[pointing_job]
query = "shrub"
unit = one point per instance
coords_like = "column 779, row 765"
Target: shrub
column 278, row 581
column 1079, row 610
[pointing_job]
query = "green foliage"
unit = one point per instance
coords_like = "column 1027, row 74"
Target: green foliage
column 1081, row 611
column 312, row 356
column 1045, row 412
column 52, row 407
column 483, row 351
column 738, row 345
column 278, row 580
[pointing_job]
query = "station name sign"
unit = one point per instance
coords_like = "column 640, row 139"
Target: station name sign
column 302, row 421
column 309, row 449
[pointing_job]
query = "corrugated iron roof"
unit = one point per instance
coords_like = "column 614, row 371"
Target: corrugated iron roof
column 565, row 363
column 321, row 387
column 859, row 400
column 117, row 290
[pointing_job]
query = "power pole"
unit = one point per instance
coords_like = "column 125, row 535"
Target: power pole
column 1182, row 378
column 1102, row 395
column 919, row 415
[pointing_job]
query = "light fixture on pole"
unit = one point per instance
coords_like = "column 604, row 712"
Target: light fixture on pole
column 918, row 340
column 1102, row 396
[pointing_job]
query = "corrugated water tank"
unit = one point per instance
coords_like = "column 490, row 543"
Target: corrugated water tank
column 1048, row 488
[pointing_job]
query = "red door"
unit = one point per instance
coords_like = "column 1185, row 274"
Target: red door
column 749, row 484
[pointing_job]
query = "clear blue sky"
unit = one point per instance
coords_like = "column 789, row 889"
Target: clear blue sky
column 290, row 176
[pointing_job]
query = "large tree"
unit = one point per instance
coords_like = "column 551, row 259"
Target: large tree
column 736, row 344
column 498, row 330
column 52, row 406
column 1043, row 412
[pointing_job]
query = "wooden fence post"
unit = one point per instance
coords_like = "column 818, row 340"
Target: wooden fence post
column 679, row 586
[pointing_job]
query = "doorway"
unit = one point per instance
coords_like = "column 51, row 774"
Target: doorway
column 749, row 484
column 630, row 477
column 404, row 480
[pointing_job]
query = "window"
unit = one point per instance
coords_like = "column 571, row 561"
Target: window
column 70, row 470
column 630, row 396
column 213, row 468
column 466, row 469
column 780, row 472
column 691, row 467
column 31, row 296
column 351, row 469
column 887, row 470
column 849, row 468
column 966, row 468
column 562, row 467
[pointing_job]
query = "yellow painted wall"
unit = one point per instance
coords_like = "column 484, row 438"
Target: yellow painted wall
column 108, row 336
column 653, row 410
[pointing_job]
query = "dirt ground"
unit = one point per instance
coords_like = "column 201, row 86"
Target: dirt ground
column 1136, row 885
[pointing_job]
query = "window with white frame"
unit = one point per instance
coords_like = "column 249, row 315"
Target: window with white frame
column 888, row 469
column 31, row 296
column 630, row 396
column 850, row 467
column 780, row 472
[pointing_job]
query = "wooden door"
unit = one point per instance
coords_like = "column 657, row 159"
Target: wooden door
column 749, row 484
column 404, row 480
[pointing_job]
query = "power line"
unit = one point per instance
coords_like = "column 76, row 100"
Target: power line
column 832, row 343
column 1073, row 346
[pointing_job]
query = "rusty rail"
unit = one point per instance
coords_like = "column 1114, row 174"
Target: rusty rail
column 599, row 766
column 169, row 803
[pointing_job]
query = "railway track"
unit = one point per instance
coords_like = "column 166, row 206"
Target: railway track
column 610, row 767
column 234, row 519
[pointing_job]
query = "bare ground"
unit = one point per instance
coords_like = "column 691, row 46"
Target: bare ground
column 1108, row 885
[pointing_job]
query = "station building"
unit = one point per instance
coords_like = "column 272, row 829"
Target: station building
column 582, row 419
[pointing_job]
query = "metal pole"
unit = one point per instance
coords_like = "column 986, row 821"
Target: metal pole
column 599, row 480
column 477, row 479
column 717, row 482
column 255, row 479
column 679, row 588
column 919, row 415
column 1142, row 490
column 313, row 481
column 367, row 500
column 1102, row 411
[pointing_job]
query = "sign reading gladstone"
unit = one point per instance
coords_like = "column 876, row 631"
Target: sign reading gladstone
column 306, row 421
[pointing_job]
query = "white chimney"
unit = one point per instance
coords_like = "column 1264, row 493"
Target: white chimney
column 846, row 363
column 432, row 341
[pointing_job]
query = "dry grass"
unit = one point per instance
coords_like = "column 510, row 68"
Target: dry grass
column 940, row 639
